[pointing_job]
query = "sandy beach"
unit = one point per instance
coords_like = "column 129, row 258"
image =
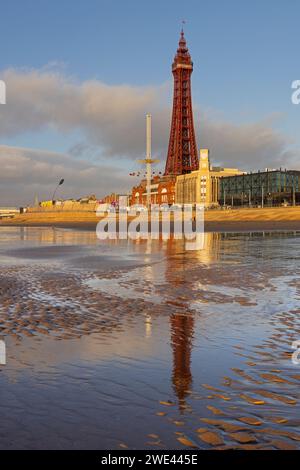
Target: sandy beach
column 236, row 220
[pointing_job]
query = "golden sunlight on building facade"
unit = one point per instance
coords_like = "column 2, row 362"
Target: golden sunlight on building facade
column 162, row 191
column 202, row 185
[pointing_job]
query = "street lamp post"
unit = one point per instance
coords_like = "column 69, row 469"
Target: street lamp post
column 59, row 184
column 294, row 191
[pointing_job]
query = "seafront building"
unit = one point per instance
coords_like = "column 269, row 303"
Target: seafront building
column 203, row 185
column 263, row 188
column 162, row 191
column 8, row 212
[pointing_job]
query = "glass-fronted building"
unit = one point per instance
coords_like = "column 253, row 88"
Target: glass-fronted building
column 272, row 187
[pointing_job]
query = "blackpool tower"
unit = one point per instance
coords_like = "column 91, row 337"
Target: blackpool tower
column 182, row 152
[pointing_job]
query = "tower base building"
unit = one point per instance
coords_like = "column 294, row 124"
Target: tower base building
column 162, row 191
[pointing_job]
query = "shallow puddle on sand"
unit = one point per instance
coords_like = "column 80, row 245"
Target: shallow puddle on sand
column 165, row 349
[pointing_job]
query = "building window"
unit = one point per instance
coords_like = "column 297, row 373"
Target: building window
column 164, row 195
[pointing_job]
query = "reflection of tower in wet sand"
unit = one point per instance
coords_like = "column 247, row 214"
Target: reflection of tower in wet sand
column 181, row 323
column 179, row 265
column 182, row 328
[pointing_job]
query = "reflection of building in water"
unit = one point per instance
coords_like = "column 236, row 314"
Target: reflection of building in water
column 209, row 248
column 205, row 248
column 182, row 328
column 55, row 235
column 148, row 326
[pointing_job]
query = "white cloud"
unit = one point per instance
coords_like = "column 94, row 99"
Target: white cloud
column 109, row 116
column 27, row 172
column 248, row 146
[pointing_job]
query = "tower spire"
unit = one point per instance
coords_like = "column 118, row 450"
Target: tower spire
column 182, row 151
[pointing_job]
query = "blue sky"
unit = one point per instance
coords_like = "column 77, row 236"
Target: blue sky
column 245, row 57
column 243, row 51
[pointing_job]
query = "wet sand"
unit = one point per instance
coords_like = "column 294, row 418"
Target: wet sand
column 146, row 345
column 214, row 226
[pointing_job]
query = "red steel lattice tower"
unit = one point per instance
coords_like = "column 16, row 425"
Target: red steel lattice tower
column 182, row 152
